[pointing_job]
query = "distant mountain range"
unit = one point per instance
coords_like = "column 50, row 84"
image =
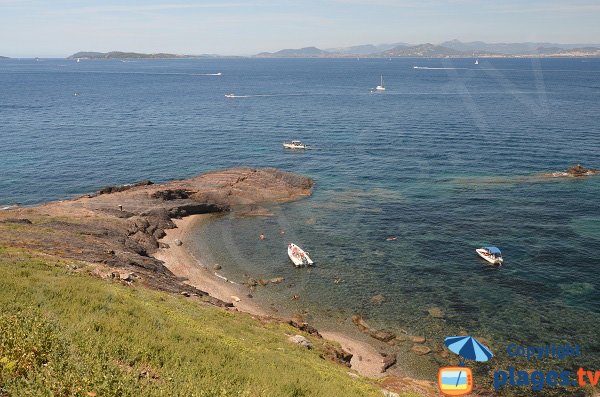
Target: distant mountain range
column 447, row 49
column 1, row 57
column 131, row 55
column 452, row 49
column 364, row 49
column 510, row 48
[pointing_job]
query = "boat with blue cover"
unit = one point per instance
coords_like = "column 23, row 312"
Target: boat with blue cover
column 490, row 254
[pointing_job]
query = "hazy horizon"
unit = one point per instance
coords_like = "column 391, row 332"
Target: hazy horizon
column 32, row 28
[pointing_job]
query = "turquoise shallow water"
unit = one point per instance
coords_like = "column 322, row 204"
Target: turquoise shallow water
column 441, row 160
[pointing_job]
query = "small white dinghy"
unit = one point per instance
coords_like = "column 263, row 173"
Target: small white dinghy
column 294, row 145
column 298, row 256
column 490, row 254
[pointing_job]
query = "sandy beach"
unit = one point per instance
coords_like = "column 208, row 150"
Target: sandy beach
column 366, row 359
column 180, row 261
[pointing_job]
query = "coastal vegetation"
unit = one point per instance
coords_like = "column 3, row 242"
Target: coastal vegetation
column 64, row 332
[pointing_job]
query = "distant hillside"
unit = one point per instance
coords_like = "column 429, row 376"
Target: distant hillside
column 450, row 49
column 510, row 48
column 4, row 57
column 125, row 55
column 306, row 52
column 365, row 49
column 574, row 52
column 423, row 50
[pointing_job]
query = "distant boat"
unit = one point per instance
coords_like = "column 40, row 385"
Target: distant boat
column 294, row 145
column 490, row 254
column 232, row 95
column 477, row 62
column 298, row 256
column 77, row 60
column 380, row 87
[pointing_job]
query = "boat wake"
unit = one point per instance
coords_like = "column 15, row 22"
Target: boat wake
column 428, row 68
column 262, row 95
column 145, row 73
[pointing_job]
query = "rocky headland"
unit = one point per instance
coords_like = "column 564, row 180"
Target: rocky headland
column 120, row 226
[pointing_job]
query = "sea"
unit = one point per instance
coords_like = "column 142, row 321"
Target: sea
column 448, row 159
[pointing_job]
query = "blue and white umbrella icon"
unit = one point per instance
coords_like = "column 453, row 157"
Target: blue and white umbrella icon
column 468, row 348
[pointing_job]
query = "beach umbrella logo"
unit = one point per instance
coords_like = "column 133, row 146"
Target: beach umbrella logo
column 468, row 348
column 458, row 381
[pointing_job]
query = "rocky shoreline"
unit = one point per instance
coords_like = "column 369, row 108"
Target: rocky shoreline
column 575, row 171
column 122, row 231
column 120, row 226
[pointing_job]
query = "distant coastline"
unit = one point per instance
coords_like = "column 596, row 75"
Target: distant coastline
column 448, row 49
column 132, row 55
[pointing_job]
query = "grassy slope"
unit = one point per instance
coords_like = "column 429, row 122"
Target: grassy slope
column 67, row 333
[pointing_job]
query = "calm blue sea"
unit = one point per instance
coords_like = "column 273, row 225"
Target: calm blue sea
column 443, row 159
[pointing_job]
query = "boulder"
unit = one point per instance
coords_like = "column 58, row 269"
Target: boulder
column 417, row 339
column 158, row 233
column 178, row 243
column 171, row 194
column 301, row 340
column 384, row 336
column 302, row 326
column 277, row 280
column 388, row 360
column 145, row 240
column 436, row 312
column 360, row 323
column 217, row 267
column 579, row 170
column 136, row 224
column 378, row 299
column 127, row 276
column 336, row 354
column 160, row 218
column 420, row 350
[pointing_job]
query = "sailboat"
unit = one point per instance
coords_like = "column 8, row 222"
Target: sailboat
column 380, row 87
column 477, row 62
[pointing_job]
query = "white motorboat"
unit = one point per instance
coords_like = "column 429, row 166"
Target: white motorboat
column 380, row 87
column 490, row 254
column 294, row 145
column 298, row 256
column 232, row 95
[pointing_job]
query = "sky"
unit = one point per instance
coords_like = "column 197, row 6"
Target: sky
column 57, row 28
